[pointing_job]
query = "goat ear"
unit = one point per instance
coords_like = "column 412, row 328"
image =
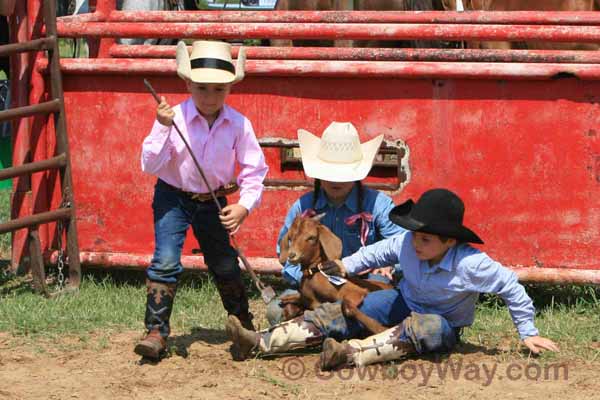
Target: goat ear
column 331, row 244
column 284, row 248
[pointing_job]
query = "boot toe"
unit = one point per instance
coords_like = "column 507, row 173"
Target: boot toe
column 244, row 340
column 152, row 346
column 147, row 351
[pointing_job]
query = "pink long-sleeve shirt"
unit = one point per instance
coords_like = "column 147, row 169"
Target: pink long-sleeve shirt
column 231, row 139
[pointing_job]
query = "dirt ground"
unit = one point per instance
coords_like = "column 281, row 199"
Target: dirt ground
column 200, row 367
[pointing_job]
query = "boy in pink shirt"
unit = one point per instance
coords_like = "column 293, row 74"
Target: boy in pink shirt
column 220, row 138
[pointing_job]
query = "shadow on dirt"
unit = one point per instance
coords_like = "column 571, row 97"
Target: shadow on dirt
column 180, row 344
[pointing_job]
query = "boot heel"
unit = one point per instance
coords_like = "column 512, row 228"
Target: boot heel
column 333, row 355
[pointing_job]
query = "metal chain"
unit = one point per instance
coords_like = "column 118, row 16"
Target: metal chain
column 61, row 261
column 61, row 256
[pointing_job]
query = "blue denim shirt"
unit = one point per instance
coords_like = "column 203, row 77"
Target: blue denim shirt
column 451, row 287
column 374, row 202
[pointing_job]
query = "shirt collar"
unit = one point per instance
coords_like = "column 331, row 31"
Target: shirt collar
column 448, row 261
column 351, row 201
column 191, row 112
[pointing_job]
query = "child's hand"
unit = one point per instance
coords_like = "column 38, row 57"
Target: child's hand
column 233, row 215
column 538, row 343
column 164, row 113
column 387, row 272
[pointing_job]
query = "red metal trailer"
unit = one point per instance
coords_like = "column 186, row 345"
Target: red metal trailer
column 515, row 133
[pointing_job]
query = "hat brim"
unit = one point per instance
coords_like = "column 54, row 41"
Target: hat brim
column 400, row 215
column 316, row 168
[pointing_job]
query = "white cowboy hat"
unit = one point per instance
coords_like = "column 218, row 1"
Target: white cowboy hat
column 338, row 156
column 210, row 62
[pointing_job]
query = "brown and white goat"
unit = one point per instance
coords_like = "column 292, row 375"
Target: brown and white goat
column 308, row 243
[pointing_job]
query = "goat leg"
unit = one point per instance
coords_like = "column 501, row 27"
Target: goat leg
column 350, row 310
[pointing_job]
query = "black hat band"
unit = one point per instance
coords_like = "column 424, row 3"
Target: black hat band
column 215, row 63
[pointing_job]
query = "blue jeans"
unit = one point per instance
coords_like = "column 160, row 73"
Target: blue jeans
column 427, row 332
column 385, row 306
column 174, row 213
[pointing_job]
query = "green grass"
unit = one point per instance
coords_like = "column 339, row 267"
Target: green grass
column 67, row 49
column 102, row 304
column 107, row 303
column 569, row 315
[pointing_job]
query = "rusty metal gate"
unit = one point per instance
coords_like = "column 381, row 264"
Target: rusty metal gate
column 53, row 112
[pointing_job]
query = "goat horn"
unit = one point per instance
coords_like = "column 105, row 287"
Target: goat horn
column 318, row 217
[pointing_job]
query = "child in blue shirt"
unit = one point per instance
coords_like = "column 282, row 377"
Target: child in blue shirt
column 442, row 278
column 356, row 214
column 359, row 218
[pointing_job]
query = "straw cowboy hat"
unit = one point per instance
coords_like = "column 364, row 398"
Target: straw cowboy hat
column 338, row 156
column 210, row 62
column 439, row 212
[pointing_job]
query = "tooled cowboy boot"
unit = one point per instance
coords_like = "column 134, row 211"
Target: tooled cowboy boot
column 235, row 300
column 289, row 335
column 159, row 304
column 384, row 346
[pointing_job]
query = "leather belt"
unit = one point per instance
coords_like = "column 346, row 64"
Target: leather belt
column 203, row 197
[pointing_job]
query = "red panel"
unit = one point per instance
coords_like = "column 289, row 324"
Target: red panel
column 523, row 155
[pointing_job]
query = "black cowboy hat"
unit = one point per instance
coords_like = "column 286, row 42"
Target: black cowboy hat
column 439, row 212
